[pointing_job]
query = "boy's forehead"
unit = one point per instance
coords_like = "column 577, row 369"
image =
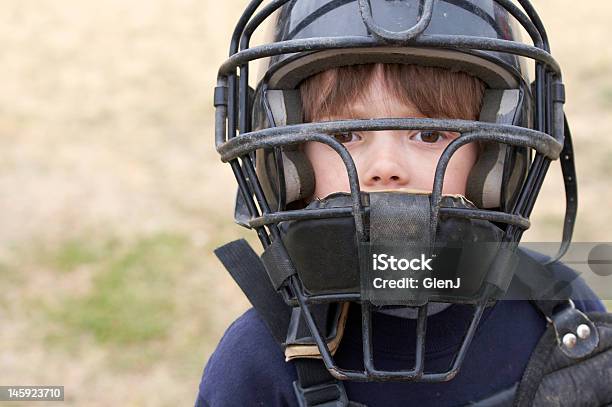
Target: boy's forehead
column 378, row 102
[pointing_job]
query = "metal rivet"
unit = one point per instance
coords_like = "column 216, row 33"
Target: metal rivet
column 583, row 331
column 569, row 340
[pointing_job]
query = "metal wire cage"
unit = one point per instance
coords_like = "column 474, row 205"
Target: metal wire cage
column 237, row 142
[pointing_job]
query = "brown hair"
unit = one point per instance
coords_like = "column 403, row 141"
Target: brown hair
column 436, row 92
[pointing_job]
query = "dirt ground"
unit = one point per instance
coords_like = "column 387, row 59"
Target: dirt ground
column 112, row 197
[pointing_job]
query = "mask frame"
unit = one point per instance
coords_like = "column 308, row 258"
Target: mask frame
column 237, row 143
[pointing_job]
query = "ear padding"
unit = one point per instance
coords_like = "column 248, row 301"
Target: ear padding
column 496, row 175
column 284, row 107
column 516, row 170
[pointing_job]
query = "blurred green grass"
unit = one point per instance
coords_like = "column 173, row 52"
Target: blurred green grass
column 107, row 311
column 78, row 252
column 606, row 96
column 128, row 302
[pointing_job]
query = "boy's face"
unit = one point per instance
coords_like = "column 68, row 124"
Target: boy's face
column 390, row 159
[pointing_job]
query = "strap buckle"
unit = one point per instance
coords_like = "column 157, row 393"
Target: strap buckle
column 322, row 395
column 576, row 334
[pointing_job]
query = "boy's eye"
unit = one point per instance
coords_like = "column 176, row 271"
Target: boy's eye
column 347, row 137
column 427, row 136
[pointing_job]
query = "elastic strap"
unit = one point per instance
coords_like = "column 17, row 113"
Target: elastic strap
column 316, row 387
column 568, row 170
column 247, row 270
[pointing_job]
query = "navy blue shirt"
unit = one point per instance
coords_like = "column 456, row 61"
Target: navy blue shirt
column 248, row 366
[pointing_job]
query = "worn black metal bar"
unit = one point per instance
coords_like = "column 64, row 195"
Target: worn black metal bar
column 534, row 175
column 245, row 38
column 459, row 357
column 302, row 214
column 395, row 36
column 232, row 101
column 529, row 183
column 346, row 212
column 231, row 74
column 370, row 373
column 525, row 22
column 338, row 373
column 243, row 145
column 366, row 335
column 240, row 25
column 535, row 18
column 259, row 195
column 536, row 172
column 471, row 331
column 457, row 42
column 421, row 335
column 257, row 20
column 493, row 216
column 246, row 194
column 244, row 100
column 299, row 133
column 548, row 84
column 330, row 298
column 221, row 116
column 239, row 39
column 480, row 135
column 413, row 374
column 438, row 183
column 248, row 23
column 540, row 123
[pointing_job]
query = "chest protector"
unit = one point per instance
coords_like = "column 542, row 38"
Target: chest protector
column 570, row 366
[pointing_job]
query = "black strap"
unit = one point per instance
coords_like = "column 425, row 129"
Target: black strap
column 545, row 291
column 246, row 269
column 551, row 296
column 568, row 170
column 312, row 372
column 316, row 387
column 277, row 263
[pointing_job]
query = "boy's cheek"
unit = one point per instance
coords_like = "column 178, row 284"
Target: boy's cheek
column 329, row 170
column 459, row 168
column 330, row 177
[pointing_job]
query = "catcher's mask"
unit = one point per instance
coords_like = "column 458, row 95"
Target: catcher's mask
column 318, row 255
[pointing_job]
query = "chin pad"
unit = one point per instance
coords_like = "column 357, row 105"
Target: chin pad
column 325, row 251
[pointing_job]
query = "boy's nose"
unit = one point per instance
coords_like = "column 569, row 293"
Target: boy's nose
column 385, row 166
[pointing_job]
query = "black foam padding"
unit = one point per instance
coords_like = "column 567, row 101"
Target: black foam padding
column 325, row 251
column 554, row 379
